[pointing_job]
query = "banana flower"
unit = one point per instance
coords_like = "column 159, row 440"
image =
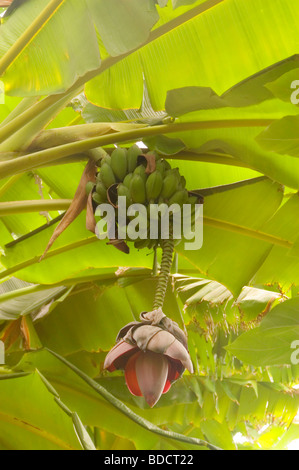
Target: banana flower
column 153, row 353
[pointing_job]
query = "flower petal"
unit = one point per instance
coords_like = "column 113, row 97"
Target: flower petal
column 175, row 369
column 152, row 372
column 167, row 386
column 117, row 357
column 143, row 334
column 131, row 377
column 160, row 341
column 178, row 352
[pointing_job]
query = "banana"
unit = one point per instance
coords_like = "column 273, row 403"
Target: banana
column 182, row 183
column 137, row 189
column 174, row 171
column 107, row 175
column 178, row 198
column 166, row 164
column 97, row 198
column 122, row 190
column 140, row 170
column 186, row 197
column 127, row 180
column 119, row 163
column 156, row 155
column 132, row 156
column 170, row 185
column 139, row 244
column 152, row 244
column 162, row 165
column 101, row 190
column 154, row 185
column 192, row 199
column 106, row 159
column 89, row 187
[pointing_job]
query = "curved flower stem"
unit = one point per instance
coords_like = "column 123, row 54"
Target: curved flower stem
column 167, row 255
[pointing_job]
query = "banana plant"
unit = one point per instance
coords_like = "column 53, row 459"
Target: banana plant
column 207, row 87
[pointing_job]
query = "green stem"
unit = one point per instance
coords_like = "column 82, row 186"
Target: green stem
column 36, row 259
column 24, row 291
column 166, row 263
column 128, row 412
column 17, row 207
column 210, row 157
column 23, row 41
column 31, row 161
column 12, row 126
column 262, row 236
column 25, row 104
column 6, row 186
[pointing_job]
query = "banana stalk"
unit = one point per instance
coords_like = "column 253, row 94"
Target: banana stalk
column 167, row 255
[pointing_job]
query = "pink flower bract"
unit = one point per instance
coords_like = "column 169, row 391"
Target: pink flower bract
column 150, row 369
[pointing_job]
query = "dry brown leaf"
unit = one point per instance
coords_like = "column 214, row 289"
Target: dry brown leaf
column 78, row 204
column 90, row 219
column 120, row 245
column 150, row 160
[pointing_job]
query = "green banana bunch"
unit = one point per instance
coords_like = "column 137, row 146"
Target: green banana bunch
column 163, row 185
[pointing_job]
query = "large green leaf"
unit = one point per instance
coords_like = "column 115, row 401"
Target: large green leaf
column 218, row 433
column 227, row 401
column 178, row 45
column 55, row 68
column 18, row 301
column 123, row 26
column 25, row 187
column 227, row 256
column 237, row 138
column 281, row 136
column 272, row 343
column 202, row 296
column 252, row 90
column 76, row 251
column 140, row 53
column 281, row 266
column 36, row 421
column 63, row 57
